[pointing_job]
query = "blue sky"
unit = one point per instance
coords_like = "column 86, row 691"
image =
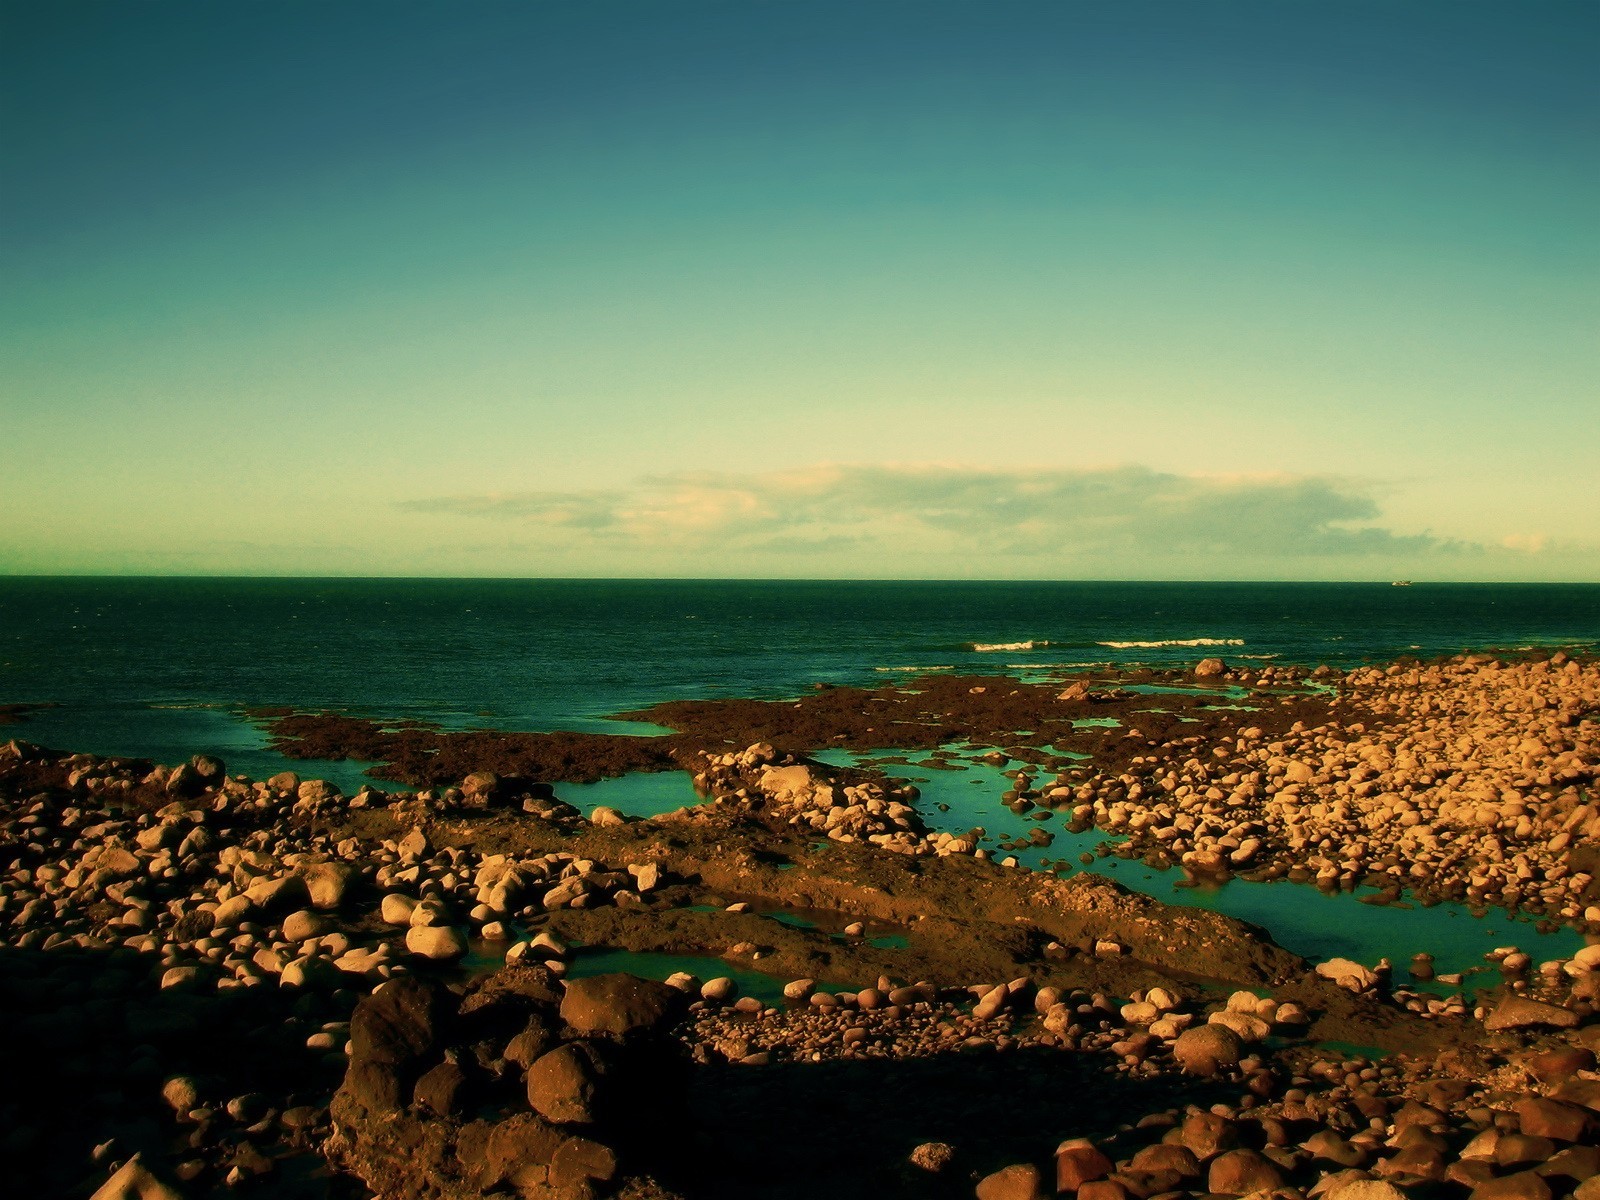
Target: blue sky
column 1179, row 290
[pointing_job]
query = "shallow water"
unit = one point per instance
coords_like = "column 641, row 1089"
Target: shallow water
column 638, row 794
column 566, row 654
column 1300, row 917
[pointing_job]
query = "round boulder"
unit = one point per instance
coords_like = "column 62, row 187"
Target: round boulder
column 1206, row 1049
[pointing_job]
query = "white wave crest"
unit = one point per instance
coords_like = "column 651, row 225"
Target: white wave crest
column 990, row 647
column 943, row 668
column 1173, row 642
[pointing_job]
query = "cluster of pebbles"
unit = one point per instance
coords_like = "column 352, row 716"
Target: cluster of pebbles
column 1471, row 780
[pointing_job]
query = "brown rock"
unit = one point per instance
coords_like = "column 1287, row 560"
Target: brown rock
column 1240, row 1172
column 439, row 1090
column 932, row 1157
column 1552, row 1119
column 1522, row 1149
column 1561, row 1063
column 1020, row 1182
column 518, row 1149
column 1585, row 1093
column 1206, row 1049
column 1363, row 1189
column 1164, row 1156
column 1576, row 1163
column 1077, row 1163
column 578, row 1159
column 1206, row 1134
column 617, row 1004
column 1524, row 1185
column 1518, row 1012
column 133, row 1181
column 561, row 1084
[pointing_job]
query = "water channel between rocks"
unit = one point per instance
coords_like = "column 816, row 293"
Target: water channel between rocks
column 1315, row 924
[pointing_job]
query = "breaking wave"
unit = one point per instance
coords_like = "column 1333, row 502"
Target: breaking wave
column 990, row 647
column 1173, row 642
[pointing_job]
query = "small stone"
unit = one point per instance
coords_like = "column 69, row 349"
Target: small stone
column 182, row 1093
column 932, row 1157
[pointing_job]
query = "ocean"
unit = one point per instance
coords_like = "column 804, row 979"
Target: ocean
column 164, row 667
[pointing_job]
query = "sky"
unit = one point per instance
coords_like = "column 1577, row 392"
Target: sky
column 1206, row 289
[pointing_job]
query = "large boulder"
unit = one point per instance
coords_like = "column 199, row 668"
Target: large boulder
column 1207, row 1049
column 561, row 1084
column 1518, row 1012
column 617, row 1004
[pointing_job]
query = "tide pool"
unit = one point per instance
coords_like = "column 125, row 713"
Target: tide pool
column 638, row 794
column 1314, row 924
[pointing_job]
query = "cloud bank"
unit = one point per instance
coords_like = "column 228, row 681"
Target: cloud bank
column 867, row 514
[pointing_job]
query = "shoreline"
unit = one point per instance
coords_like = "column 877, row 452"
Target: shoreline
column 236, row 931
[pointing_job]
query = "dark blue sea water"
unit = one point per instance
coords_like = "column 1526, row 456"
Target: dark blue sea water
column 164, row 667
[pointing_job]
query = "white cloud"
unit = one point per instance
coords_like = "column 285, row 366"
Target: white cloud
column 1105, row 515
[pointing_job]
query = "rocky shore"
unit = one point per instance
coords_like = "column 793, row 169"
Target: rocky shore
column 217, row 985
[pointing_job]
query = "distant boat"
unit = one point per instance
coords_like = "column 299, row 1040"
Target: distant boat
column 1401, row 583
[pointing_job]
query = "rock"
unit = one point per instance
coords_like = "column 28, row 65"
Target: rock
column 1348, row 974
column 316, row 972
column 1167, row 1157
column 1552, row 1119
column 525, row 1048
column 298, row 926
column 327, row 882
column 231, row 911
column 719, row 990
column 1524, row 1185
column 133, row 1181
column 617, row 1004
column 1248, row 1026
column 399, row 1022
column 799, row 990
column 1019, row 1182
column 439, row 1090
column 413, row 846
column 480, row 788
column 561, row 1084
column 182, row 1093
column 1364, row 1189
column 1241, row 1172
column 993, row 1001
column 396, row 909
column 577, row 1161
column 438, row 942
column 1079, row 1162
column 1206, row 1049
column 1518, row 1012
column 932, row 1157
column 316, row 791
column 1561, row 1063
column 606, row 817
column 1208, row 668
column 1205, row 1134
column 284, row 781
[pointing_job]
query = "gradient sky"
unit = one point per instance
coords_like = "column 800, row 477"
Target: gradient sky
column 1134, row 289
